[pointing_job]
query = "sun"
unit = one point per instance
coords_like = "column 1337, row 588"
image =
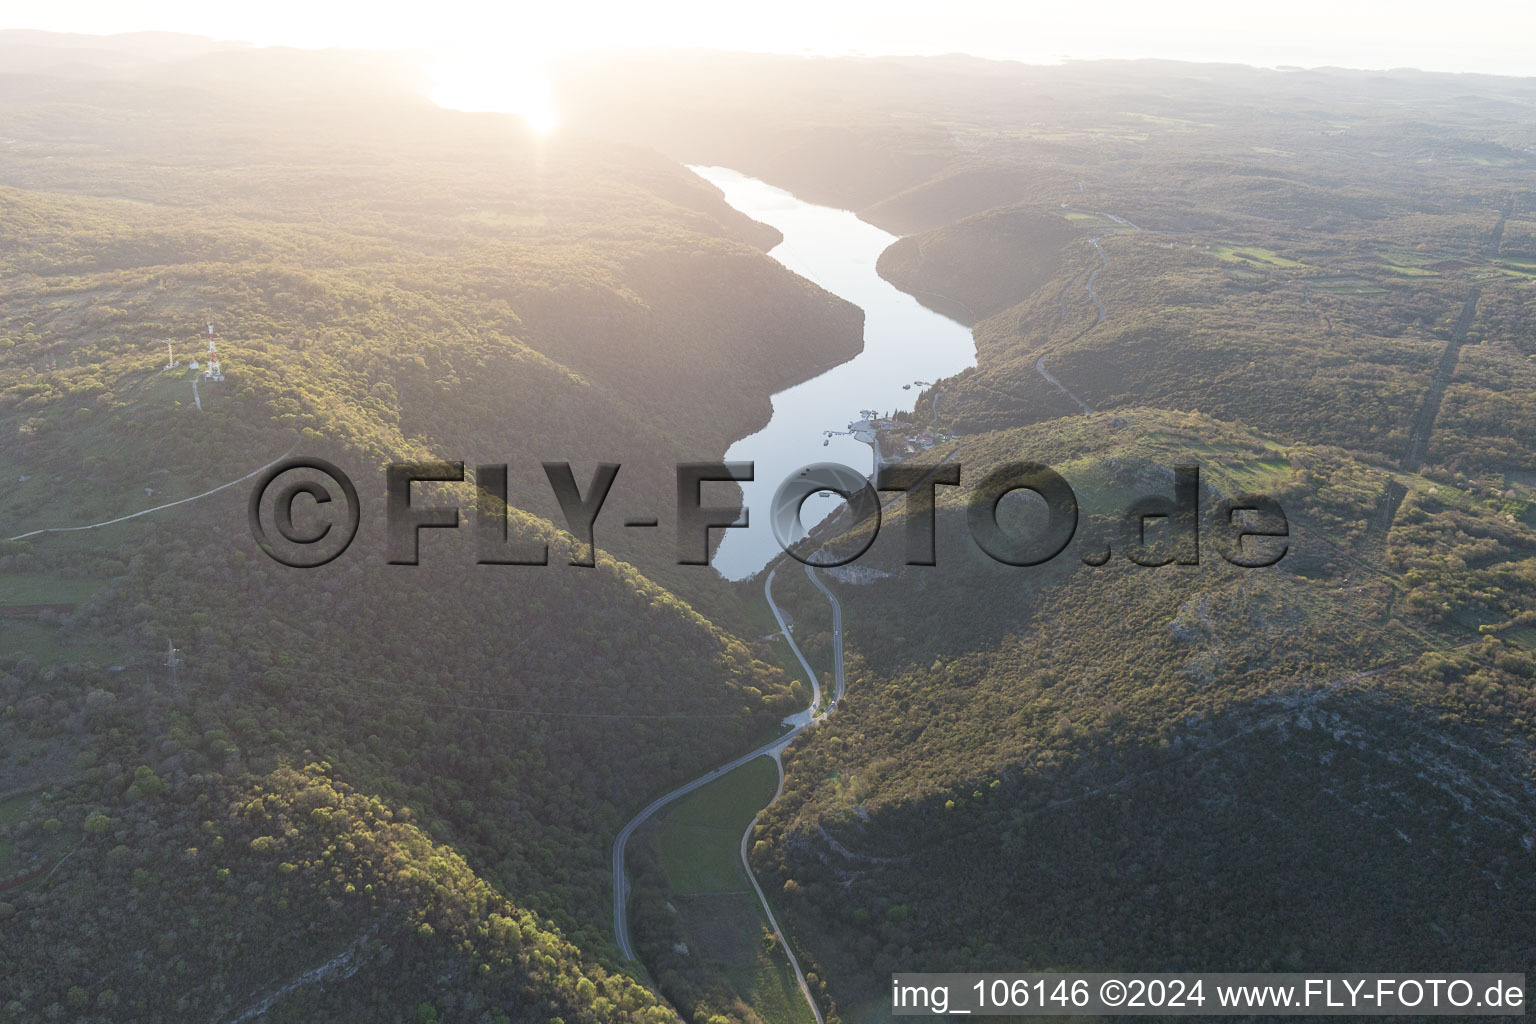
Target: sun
column 494, row 82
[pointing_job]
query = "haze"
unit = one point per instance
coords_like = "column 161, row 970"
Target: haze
column 1484, row 36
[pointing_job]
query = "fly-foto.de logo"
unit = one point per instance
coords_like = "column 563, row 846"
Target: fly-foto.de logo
column 305, row 512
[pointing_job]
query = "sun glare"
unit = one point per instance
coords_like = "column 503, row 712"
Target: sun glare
column 496, row 83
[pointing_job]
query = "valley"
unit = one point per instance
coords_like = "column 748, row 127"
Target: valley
column 643, row 791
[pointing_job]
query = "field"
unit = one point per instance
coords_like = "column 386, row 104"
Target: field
column 51, row 645
column 701, row 835
column 723, row 926
column 45, row 641
column 1254, row 254
column 727, row 930
column 30, row 588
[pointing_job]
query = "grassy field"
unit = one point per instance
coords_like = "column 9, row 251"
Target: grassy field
column 35, row 588
column 14, row 808
column 45, row 641
column 51, row 645
column 728, row 930
column 1254, row 254
column 1409, row 271
column 699, row 841
column 701, row 835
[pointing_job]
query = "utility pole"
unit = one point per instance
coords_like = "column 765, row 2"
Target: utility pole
column 173, row 662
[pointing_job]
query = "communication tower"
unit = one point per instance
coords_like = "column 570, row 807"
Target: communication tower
column 173, row 662
column 213, row 373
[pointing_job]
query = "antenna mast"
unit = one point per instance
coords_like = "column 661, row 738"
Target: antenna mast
column 173, row 662
column 213, row 373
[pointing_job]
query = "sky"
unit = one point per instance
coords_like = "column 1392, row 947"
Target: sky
column 491, row 55
column 1470, row 35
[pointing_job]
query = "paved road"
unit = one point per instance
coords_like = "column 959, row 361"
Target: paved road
column 1103, row 262
column 157, row 508
column 773, row 922
column 810, row 673
column 1100, row 213
column 837, row 637
column 773, row 748
column 621, row 881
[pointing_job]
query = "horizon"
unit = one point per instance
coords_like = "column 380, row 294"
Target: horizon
column 483, row 77
column 1420, row 37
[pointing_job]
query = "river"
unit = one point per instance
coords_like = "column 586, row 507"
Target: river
column 904, row 342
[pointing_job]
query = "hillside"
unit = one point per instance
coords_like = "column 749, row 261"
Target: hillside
column 400, row 782
column 1289, row 248
column 1314, row 285
column 980, row 265
column 1069, row 767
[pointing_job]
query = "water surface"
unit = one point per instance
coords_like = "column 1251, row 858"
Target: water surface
column 904, row 342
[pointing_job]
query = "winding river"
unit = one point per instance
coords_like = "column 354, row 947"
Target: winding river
column 904, row 342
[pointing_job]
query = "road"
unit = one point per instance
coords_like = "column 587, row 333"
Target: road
column 1424, row 419
column 773, row 748
column 1103, row 262
column 157, row 508
column 1100, row 213
column 1097, row 305
column 837, row 636
column 1098, row 318
column 773, row 922
column 621, row 881
column 1040, row 368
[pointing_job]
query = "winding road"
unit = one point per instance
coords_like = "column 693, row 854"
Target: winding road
column 1040, row 368
column 797, row 723
column 157, row 508
column 1092, row 295
column 1103, row 262
column 1098, row 317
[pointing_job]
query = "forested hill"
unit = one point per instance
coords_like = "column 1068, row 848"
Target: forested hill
column 1313, row 284
column 1067, row 766
column 400, row 781
column 382, row 274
